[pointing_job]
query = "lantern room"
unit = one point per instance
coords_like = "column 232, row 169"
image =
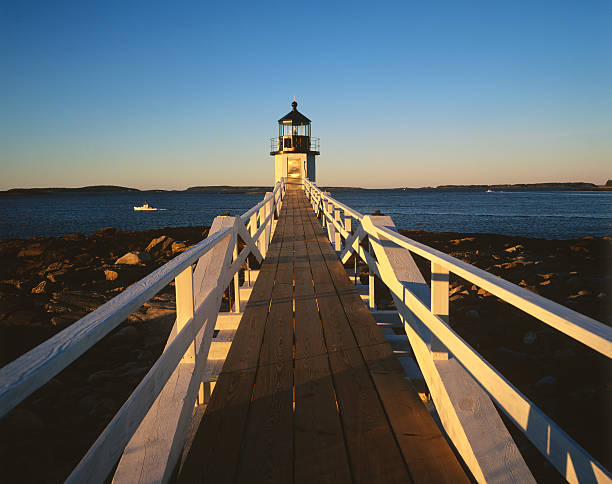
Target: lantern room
column 294, row 149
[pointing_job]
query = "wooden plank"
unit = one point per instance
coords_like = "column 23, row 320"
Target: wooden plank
column 320, row 450
column 424, row 449
column 215, row 450
column 267, row 446
column 562, row 451
column 373, row 452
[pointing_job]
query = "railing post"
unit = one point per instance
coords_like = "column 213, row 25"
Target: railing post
column 439, row 306
column 372, row 301
column 252, row 231
column 324, row 209
column 183, row 286
column 331, row 230
column 338, row 241
column 261, row 245
column 268, row 229
column 236, row 280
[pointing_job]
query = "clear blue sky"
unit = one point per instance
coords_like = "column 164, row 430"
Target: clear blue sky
column 175, row 94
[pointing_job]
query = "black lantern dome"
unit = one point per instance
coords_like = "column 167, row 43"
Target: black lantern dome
column 294, row 134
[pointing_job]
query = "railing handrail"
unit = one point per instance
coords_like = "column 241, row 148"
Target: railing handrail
column 543, row 432
column 30, row 371
column 580, row 327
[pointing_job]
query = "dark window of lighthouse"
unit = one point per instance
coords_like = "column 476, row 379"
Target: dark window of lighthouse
column 287, row 142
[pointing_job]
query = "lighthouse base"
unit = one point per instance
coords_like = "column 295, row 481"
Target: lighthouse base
column 294, row 166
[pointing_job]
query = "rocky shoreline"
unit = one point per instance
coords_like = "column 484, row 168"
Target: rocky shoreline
column 48, row 283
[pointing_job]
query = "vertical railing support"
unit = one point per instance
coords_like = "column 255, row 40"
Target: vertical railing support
column 371, row 296
column 439, row 306
column 338, row 235
column 268, row 229
column 252, row 231
column 331, row 230
column 236, row 281
column 261, row 242
column 183, row 286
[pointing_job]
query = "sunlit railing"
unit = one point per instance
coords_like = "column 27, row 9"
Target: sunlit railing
column 198, row 298
column 424, row 311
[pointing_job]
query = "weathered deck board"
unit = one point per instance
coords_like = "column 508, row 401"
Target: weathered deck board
column 423, row 447
column 214, row 453
column 320, row 451
column 310, row 390
column 267, row 448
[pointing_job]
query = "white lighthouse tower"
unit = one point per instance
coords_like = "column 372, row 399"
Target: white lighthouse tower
column 294, row 150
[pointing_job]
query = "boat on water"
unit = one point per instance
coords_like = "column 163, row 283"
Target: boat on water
column 145, row 208
column 490, row 191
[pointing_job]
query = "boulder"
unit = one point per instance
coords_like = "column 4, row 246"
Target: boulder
column 156, row 244
column 104, row 232
column 31, row 250
column 178, row 247
column 134, row 258
column 110, row 275
column 39, row 288
column 512, row 250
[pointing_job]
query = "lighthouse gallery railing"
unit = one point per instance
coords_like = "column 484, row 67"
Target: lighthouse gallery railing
column 197, row 309
column 424, row 312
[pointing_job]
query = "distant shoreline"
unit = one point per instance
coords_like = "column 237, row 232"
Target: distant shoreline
column 519, row 187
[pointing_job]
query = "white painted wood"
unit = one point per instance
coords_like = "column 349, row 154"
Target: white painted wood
column 261, row 241
column 555, row 444
column 588, row 331
column 237, row 308
column 268, row 213
column 228, row 321
column 351, row 244
column 338, row 235
column 23, row 376
column 439, row 306
column 371, row 295
column 476, row 430
column 105, row 452
column 155, row 448
column 183, row 286
column 26, row 374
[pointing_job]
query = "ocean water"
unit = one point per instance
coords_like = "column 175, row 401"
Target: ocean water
column 552, row 215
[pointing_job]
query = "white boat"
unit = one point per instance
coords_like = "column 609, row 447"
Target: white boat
column 490, row 191
column 145, row 207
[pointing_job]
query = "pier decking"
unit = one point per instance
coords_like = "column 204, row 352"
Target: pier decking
column 310, row 390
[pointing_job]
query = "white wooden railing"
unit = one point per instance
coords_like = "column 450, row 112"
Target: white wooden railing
column 487, row 449
column 198, row 298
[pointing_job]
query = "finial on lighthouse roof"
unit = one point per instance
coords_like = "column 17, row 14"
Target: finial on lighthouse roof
column 294, row 105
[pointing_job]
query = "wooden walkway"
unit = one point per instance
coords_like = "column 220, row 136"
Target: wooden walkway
column 310, row 390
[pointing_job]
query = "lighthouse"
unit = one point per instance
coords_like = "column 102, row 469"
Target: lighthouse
column 294, row 150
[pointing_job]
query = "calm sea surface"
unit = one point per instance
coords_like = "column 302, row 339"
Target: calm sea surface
column 553, row 215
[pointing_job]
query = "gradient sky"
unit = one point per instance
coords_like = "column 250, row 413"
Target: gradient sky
column 175, row 94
